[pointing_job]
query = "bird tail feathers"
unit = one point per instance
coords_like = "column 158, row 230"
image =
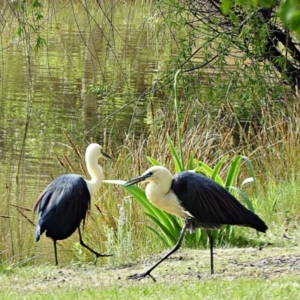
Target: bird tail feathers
column 257, row 223
column 37, row 233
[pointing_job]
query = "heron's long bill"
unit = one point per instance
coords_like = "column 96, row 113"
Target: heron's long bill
column 105, row 154
column 135, row 180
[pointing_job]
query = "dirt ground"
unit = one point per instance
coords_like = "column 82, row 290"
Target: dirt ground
column 185, row 265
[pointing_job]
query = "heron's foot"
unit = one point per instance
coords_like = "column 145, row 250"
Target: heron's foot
column 101, row 255
column 141, row 276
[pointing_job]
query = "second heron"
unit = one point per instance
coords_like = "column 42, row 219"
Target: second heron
column 199, row 200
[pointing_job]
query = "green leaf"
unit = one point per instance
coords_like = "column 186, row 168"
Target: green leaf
column 177, row 162
column 165, row 219
column 194, row 239
column 164, row 229
column 19, row 31
column 153, row 161
column 208, row 171
column 233, row 171
column 217, row 168
column 266, row 3
column 251, row 170
column 114, row 181
column 225, row 6
column 136, row 192
column 244, row 197
column 167, row 223
column 203, row 168
column 191, row 162
column 166, row 241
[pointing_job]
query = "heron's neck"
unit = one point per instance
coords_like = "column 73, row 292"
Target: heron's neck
column 161, row 196
column 96, row 174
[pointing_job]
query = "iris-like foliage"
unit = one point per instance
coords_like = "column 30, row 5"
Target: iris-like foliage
column 168, row 226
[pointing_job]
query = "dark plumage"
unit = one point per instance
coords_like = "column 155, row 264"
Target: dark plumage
column 66, row 198
column 211, row 205
column 64, row 203
column 200, row 201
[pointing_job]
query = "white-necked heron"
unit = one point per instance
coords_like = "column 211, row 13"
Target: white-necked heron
column 199, row 200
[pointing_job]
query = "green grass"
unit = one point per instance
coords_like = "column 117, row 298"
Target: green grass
column 287, row 288
column 247, row 273
column 120, row 226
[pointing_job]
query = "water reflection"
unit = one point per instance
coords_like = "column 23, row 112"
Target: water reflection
column 92, row 77
column 84, row 82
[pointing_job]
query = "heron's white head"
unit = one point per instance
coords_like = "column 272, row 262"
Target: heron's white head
column 157, row 174
column 158, row 190
column 92, row 153
column 95, row 151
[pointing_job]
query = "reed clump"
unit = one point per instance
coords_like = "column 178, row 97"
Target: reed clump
column 272, row 145
column 117, row 224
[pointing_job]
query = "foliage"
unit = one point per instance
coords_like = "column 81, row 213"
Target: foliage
column 228, row 59
column 288, row 10
column 30, row 17
column 170, row 225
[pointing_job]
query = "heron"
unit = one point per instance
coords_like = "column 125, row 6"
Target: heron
column 197, row 199
column 64, row 203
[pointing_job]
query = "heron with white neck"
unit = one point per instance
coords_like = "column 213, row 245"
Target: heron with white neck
column 197, row 199
column 64, row 203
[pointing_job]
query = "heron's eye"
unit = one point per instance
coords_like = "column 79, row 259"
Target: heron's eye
column 150, row 173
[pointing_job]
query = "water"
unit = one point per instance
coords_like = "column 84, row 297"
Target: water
column 86, row 82
column 92, row 81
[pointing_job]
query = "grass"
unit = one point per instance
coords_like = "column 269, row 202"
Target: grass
column 242, row 289
column 247, row 273
column 117, row 223
column 241, row 273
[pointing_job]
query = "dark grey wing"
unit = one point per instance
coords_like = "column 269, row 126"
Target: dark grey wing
column 212, row 204
column 62, row 206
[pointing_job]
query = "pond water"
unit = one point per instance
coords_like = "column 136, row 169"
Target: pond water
column 93, row 80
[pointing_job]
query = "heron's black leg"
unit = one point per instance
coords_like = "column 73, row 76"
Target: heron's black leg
column 175, row 248
column 55, row 252
column 211, row 244
column 87, row 247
